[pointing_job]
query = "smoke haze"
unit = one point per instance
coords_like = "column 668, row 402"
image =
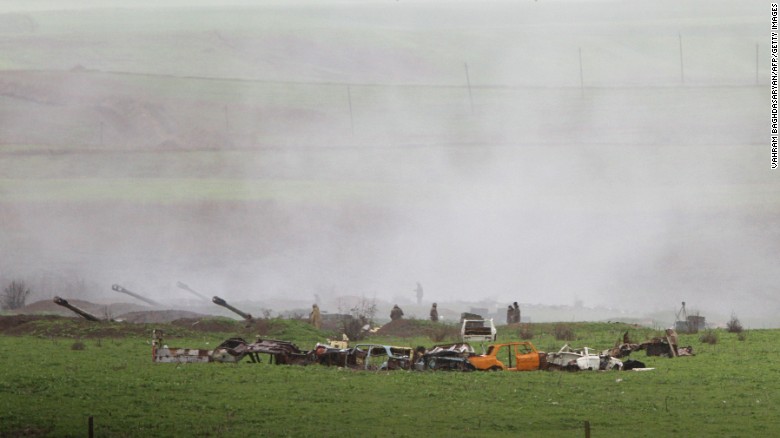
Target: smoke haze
column 608, row 153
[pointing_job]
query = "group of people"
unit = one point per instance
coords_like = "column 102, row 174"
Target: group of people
column 513, row 313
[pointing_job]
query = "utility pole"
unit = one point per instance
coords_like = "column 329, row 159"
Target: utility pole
column 682, row 71
column 351, row 118
column 582, row 82
column 468, row 84
column 227, row 122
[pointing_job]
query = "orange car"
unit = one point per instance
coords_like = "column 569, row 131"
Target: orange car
column 511, row 356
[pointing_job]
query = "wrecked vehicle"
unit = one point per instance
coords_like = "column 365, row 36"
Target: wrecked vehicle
column 511, row 356
column 446, row 357
column 162, row 353
column 571, row 359
column 232, row 350
column 379, row 357
column 662, row 347
column 478, row 330
column 365, row 357
column 279, row 352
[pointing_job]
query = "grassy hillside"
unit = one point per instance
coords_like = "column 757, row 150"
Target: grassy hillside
column 724, row 390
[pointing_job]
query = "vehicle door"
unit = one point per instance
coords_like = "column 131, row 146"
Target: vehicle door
column 505, row 357
column 526, row 357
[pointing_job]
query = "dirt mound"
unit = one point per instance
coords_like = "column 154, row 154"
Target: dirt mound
column 10, row 323
column 71, row 327
column 159, row 316
column 403, row 328
column 99, row 310
column 409, row 328
column 208, row 324
column 76, row 327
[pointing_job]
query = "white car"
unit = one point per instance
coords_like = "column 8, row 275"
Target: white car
column 582, row 359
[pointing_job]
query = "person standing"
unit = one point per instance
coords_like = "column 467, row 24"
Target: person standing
column 396, row 313
column 434, row 313
column 314, row 316
column 510, row 315
column 516, row 311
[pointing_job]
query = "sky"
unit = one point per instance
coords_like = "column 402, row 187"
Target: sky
column 608, row 153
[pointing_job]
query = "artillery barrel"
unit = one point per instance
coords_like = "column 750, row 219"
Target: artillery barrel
column 119, row 288
column 86, row 315
column 220, row 302
column 188, row 289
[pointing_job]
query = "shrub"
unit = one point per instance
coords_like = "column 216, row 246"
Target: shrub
column 526, row 332
column 709, row 337
column 734, row 326
column 441, row 332
column 564, row 332
column 360, row 316
column 78, row 345
column 14, row 296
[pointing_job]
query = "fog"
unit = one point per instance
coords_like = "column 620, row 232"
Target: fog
column 596, row 154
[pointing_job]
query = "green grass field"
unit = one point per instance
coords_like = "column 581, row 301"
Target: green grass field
column 47, row 388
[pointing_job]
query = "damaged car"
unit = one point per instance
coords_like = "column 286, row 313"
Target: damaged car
column 510, row 356
column 365, row 357
column 446, row 357
column 585, row 358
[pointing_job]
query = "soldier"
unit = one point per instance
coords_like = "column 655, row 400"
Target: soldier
column 510, row 315
column 516, row 312
column 434, row 313
column 396, row 313
column 314, row 316
column 671, row 336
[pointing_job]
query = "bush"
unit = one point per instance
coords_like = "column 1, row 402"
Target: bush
column 14, row 296
column 526, row 332
column 440, row 332
column 734, row 326
column 564, row 332
column 360, row 316
column 78, row 345
column 709, row 337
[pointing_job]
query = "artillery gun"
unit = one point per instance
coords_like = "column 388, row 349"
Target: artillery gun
column 188, row 289
column 83, row 313
column 220, row 302
column 119, row 288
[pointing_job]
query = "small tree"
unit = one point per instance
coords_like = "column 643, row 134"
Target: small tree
column 564, row 332
column 14, row 296
column 709, row 337
column 526, row 332
column 360, row 315
column 734, row 326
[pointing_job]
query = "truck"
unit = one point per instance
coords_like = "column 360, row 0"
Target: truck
column 478, row 330
column 510, row 356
